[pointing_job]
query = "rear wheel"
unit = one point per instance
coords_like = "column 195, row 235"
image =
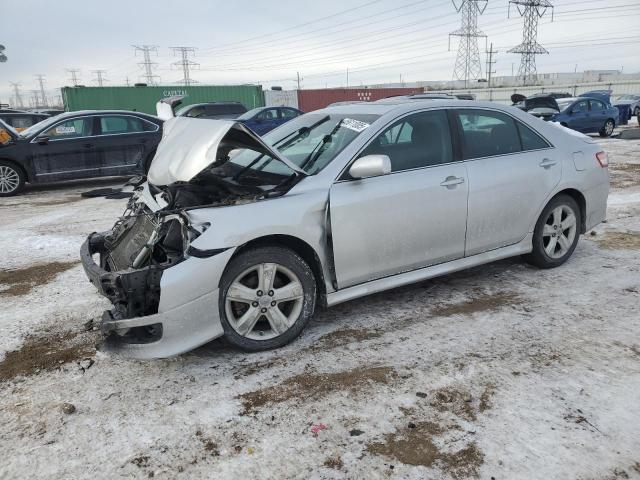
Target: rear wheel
column 267, row 296
column 607, row 128
column 556, row 234
column 11, row 179
column 636, row 112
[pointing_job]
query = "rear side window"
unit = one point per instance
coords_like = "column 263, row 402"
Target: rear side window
column 110, row 125
column 419, row 140
column 288, row 113
column 530, row 139
column 597, row 105
column 486, row 133
column 22, row 122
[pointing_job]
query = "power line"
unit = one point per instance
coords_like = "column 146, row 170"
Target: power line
column 148, row 65
column 40, row 78
column 74, row 75
column 185, row 63
column 467, row 66
column 99, row 77
column 532, row 11
column 16, row 94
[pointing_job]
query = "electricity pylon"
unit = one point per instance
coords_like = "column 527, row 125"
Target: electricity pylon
column 468, row 65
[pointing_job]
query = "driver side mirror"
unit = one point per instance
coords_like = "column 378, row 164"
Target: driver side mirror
column 42, row 139
column 370, row 166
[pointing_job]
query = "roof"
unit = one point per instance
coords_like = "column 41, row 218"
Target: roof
column 105, row 112
column 407, row 104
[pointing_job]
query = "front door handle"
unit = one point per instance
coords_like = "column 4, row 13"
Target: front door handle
column 451, row 182
column 547, row 163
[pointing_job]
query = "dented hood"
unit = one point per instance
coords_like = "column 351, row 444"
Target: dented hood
column 190, row 145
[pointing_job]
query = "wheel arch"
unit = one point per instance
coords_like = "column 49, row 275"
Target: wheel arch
column 25, row 172
column 302, row 248
column 580, row 200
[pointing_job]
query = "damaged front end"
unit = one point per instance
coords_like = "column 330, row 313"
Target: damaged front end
column 153, row 239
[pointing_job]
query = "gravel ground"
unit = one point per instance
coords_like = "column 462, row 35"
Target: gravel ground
column 503, row 371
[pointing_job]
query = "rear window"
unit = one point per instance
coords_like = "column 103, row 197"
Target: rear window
column 487, row 133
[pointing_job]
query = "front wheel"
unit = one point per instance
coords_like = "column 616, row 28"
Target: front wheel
column 267, row 296
column 607, row 129
column 556, row 234
column 11, row 179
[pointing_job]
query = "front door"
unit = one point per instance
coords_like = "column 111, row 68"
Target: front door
column 580, row 117
column 66, row 151
column 512, row 171
column 411, row 218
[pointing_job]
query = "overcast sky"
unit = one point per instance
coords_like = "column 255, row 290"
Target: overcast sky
column 267, row 42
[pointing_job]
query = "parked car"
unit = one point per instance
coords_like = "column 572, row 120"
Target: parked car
column 632, row 100
column 78, row 145
column 219, row 110
column 242, row 236
column 264, row 119
column 18, row 120
column 48, row 111
column 583, row 114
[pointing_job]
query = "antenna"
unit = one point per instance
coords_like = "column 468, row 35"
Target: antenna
column 74, row 75
column 16, row 94
column 467, row 65
column 185, row 63
column 532, row 11
column 99, row 77
column 147, row 64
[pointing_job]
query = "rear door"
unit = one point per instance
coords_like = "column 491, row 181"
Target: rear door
column 599, row 114
column 66, row 151
column 411, row 218
column 123, row 143
column 512, row 170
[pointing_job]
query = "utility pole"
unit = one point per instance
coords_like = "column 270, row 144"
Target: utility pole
column 126, row 81
column 34, row 98
column 468, row 65
column 531, row 11
column 16, row 94
column 490, row 63
column 147, row 64
column 99, row 77
column 298, row 78
column 185, row 63
column 74, row 75
column 40, row 78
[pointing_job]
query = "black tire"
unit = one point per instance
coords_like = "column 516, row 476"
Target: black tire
column 12, row 179
column 636, row 112
column 607, row 128
column 539, row 256
column 246, row 261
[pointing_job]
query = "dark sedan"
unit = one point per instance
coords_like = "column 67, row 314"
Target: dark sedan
column 78, row 145
column 264, row 119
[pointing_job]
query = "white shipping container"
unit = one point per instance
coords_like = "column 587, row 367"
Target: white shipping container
column 281, row 98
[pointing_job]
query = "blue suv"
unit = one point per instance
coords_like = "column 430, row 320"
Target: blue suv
column 264, row 119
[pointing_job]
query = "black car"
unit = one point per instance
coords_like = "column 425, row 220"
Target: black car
column 217, row 110
column 78, row 145
column 21, row 120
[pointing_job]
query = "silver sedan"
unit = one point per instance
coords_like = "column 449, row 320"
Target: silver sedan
column 243, row 237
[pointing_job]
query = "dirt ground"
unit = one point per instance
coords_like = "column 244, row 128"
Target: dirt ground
column 503, row 371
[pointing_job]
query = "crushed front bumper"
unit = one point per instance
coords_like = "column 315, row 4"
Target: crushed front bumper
column 179, row 325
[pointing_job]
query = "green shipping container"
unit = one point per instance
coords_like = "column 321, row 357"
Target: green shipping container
column 144, row 99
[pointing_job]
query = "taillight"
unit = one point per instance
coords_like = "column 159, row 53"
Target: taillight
column 602, row 159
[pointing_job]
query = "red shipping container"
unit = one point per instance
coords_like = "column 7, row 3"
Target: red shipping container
column 309, row 100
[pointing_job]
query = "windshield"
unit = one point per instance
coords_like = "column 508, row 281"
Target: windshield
column 563, row 103
column 36, row 127
column 310, row 141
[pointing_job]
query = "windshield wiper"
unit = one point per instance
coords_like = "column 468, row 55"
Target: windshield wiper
column 317, row 150
column 283, row 142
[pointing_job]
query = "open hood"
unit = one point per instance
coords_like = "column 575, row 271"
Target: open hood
column 541, row 102
column 190, row 145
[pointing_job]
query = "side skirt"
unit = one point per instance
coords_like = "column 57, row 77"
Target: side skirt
column 414, row 276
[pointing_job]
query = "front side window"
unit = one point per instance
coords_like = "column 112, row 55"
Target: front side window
column 580, row 107
column 419, row 140
column 289, row 113
column 486, row 133
column 77, row 127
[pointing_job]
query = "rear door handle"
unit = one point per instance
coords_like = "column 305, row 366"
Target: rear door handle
column 546, row 163
column 451, row 182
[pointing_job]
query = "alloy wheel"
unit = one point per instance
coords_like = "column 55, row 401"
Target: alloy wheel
column 264, row 301
column 9, row 179
column 608, row 127
column 559, row 231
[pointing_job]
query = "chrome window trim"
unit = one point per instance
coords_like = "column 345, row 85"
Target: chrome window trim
column 97, row 136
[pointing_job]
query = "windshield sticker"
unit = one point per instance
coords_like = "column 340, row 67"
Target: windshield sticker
column 65, row 130
column 355, row 125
